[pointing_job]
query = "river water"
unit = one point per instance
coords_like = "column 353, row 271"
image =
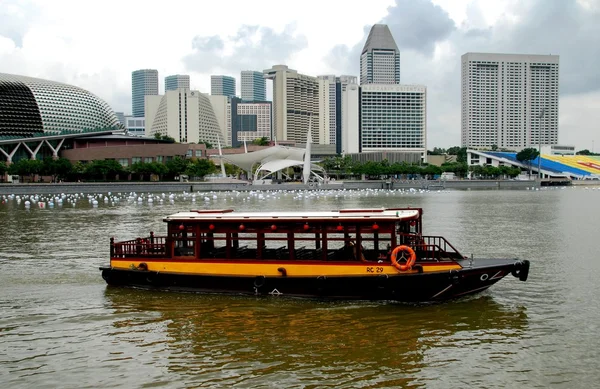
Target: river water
column 61, row 326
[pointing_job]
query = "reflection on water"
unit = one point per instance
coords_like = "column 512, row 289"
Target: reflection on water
column 252, row 341
column 61, row 326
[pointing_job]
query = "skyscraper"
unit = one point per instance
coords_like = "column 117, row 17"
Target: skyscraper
column 331, row 111
column 295, row 104
column 249, row 121
column 222, row 86
column 144, row 82
column 328, row 108
column 394, row 118
column 177, row 81
column 502, row 97
column 254, row 86
column 380, row 58
column 185, row 115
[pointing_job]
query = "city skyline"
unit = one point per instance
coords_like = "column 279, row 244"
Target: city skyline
column 37, row 40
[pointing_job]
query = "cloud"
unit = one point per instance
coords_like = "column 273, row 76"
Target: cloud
column 15, row 19
column 252, row 47
column 418, row 25
column 566, row 28
column 431, row 45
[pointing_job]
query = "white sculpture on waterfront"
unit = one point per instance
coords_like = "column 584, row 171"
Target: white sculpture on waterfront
column 269, row 162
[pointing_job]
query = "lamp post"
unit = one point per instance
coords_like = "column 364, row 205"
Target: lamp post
column 540, row 146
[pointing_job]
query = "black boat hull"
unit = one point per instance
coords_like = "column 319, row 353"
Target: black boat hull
column 414, row 287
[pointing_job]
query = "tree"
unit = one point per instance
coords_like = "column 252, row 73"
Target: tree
column 527, row 155
column 436, row 151
column 207, row 144
column 233, row 170
column 371, row 168
column 399, row 168
column 490, row 171
column 431, row 171
column 77, row 170
column 200, row 168
column 57, row 168
column 509, row 171
column 176, row 166
column 460, row 152
column 476, row 170
column 3, row 168
column 158, row 168
column 458, row 168
column 26, row 167
column 164, row 137
column 329, row 164
column 264, row 141
column 141, row 169
column 103, row 168
column 340, row 165
column 585, row 152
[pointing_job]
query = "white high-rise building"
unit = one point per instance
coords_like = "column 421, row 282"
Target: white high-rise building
column 393, row 118
column 503, row 96
column 295, row 104
column 327, row 109
column 220, row 106
column 331, row 112
column 380, row 58
column 177, row 81
column 254, row 86
column 183, row 114
column 349, row 114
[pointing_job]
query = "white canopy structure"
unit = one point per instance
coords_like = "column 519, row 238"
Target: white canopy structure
column 248, row 160
column 277, row 158
column 274, row 159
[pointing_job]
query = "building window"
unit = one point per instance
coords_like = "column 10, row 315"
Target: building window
column 188, row 153
column 136, row 160
column 124, row 162
column 147, row 159
column 198, row 153
column 159, row 158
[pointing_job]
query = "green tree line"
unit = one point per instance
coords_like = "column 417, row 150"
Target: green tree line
column 63, row 169
column 345, row 166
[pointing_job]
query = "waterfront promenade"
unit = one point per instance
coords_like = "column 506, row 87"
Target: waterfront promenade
column 101, row 187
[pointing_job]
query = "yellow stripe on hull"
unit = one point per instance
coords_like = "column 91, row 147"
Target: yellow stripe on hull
column 271, row 269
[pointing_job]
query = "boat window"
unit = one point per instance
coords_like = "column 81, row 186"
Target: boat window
column 184, row 240
column 293, row 241
column 214, row 245
column 376, row 246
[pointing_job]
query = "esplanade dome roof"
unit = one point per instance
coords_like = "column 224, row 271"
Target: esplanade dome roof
column 32, row 105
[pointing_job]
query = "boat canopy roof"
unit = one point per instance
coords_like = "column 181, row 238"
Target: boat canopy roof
column 353, row 214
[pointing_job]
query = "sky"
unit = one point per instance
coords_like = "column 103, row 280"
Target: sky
column 96, row 46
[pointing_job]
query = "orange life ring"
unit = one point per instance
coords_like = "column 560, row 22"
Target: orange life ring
column 409, row 262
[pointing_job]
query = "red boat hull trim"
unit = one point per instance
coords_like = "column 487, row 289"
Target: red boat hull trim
column 474, row 277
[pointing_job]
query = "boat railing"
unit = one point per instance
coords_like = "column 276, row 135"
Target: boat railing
column 152, row 246
column 435, row 248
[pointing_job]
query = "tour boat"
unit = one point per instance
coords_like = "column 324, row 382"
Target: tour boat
column 371, row 254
